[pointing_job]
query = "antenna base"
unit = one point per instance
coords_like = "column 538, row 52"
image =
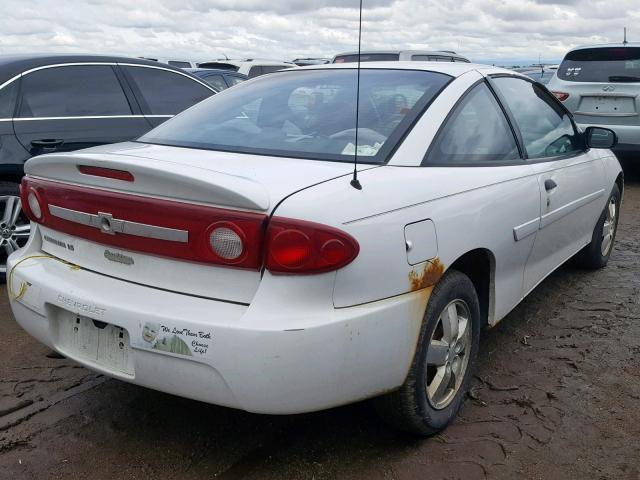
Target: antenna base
column 355, row 183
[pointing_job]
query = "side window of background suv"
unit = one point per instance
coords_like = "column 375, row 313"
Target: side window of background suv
column 546, row 128
column 476, row 132
column 166, row 92
column 73, row 91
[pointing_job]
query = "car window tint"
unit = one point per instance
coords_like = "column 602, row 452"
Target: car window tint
column 73, row 91
column 255, row 71
column 233, row 80
column 604, row 64
column 272, row 68
column 547, row 130
column 165, row 92
column 179, row 64
column 216, row 81
column 8, row 100
column 476, row 132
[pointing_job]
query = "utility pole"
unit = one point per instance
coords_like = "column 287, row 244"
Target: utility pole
column 624, row 41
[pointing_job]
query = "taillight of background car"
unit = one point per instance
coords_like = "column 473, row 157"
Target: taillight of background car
column 562, row 96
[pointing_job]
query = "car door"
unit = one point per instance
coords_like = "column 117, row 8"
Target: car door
column 498, row 198
column 163, row 93
column 569, row 175
column 68, row 107
column 12, row 154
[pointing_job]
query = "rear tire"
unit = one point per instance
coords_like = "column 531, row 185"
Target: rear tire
column 597, row 253
column 443, row 364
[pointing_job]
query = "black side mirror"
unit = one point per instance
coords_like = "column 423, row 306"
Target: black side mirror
column 597, row 137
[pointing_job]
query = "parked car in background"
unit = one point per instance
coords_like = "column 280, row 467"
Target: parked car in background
column 399, row 55
column 59, row 103
column 305, row 62
column 250, row 67
column 174, row 63
column 600, row 84
column 226, row 256
column 219, row 79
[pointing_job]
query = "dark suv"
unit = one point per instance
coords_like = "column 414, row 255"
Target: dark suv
column 53, row 103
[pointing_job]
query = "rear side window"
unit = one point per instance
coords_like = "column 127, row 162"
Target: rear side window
column 216, row 81
column 368, row 57
column 165, row 92
column 431, row 58
column 272, row 68
column 179, row 64
column 476, row 132
column 255, row 71
column 73, row 91
column 546, row 128
column 233, row 80
column 8, row 99
column 614, row 64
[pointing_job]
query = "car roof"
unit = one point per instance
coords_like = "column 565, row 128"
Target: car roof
column 455, row 69
column 398, row 52
column 12, row 65
column 607, row 45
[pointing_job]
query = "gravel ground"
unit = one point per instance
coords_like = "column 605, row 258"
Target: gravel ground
column 556, row 396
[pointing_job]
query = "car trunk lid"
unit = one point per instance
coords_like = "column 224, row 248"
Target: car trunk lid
column 160, row 209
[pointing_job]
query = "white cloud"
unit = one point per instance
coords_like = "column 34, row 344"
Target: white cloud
column 207, row 29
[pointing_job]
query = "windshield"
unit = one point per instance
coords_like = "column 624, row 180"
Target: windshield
column 307, row 114
column 615, row 64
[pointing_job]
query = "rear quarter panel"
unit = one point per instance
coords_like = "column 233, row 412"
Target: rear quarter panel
column 470, row 207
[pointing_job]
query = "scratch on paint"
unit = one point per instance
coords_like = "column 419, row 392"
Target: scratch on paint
column 433, row 271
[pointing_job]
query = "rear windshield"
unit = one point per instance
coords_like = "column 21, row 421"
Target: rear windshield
column 615, row 64
column 307, row 114
column 368, row 57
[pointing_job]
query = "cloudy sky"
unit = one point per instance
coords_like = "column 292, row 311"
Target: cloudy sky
column 208, row 29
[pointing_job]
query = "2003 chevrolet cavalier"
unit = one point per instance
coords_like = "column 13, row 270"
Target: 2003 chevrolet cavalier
column 225, row 256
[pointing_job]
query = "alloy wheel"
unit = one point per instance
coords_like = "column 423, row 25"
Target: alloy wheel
column 609, row 226
column 14, row 228
column 448, row 354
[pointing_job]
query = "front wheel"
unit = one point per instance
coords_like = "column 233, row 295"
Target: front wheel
column 597, row 253
column 444, row 361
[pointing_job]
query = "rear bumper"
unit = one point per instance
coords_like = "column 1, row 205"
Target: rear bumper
column 278, row 355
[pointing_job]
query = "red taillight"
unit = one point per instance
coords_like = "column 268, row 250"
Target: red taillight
column 296, row 246
column 562, row 96
column 32, row 204
column 106, row 173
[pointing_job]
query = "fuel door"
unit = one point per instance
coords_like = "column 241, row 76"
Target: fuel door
column 421, row 241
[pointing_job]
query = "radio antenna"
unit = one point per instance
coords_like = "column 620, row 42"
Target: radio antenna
column 355, row 183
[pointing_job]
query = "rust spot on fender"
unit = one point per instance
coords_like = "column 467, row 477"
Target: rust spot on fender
column 433, row 271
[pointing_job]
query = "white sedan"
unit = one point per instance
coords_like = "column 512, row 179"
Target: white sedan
column 227, row 256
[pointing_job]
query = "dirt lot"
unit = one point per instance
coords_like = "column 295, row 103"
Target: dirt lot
column 557, row 396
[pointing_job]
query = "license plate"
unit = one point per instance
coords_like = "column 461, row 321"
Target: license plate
column 608, row 105
column 104, row 344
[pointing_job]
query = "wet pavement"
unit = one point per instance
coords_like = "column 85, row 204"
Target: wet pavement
column 557, row 395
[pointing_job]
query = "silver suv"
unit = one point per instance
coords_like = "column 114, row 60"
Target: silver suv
column 600, row 84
